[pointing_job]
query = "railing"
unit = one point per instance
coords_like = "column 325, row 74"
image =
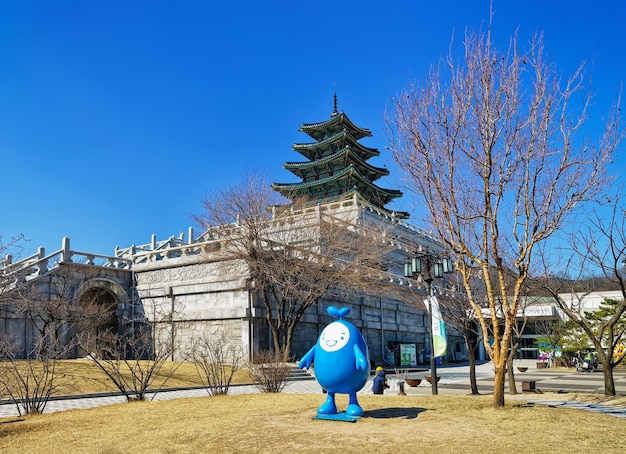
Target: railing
column 40, row 263
column 154, row 245
column 173, row 247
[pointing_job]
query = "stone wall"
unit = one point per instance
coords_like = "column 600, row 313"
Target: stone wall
column 198, row 296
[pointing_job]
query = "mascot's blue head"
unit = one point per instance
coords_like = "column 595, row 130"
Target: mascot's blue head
column 336, row 335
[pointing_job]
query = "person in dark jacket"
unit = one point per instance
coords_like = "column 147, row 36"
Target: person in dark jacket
column 380, row 381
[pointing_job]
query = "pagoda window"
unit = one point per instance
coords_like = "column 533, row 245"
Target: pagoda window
column 317, row 177
column 330, row 173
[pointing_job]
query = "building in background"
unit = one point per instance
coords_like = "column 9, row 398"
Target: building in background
column 180, row 286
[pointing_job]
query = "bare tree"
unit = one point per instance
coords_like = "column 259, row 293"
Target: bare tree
column 516, row 339
column 54, row 317
column 56, row 311
column 492, row 146
column 30, row 382
column 216, row 360
column 601, row 248
column 131, row 362
column 135, row 357
column 294, row 254
column 10, row 245
column 269, row 372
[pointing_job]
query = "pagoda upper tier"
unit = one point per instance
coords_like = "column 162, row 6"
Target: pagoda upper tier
column 336, row 166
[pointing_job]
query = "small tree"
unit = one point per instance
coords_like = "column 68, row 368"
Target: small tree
column 216, row 361
column 55, row 313
column 6, row 258
column 269, row 372
column 552, row 333
column 516, row 339
column 133, row 361
column 29, row 382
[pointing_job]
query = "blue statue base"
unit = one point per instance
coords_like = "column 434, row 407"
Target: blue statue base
column 338, row 417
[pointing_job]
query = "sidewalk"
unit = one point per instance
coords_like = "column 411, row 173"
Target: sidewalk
column 454, row 381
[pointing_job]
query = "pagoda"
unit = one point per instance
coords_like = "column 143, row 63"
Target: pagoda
column 336, row 167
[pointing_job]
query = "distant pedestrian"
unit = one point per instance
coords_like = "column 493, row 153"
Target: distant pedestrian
column 551, row 359
column 380, row 381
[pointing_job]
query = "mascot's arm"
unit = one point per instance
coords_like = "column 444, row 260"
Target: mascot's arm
column 361, row 360
column 307, row 359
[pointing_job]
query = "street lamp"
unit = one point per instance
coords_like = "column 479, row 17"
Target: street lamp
column 430, row 266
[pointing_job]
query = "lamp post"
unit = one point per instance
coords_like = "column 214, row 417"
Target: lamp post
column 429, row 266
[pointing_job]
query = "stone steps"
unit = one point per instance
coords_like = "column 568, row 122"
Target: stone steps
column 296, row 374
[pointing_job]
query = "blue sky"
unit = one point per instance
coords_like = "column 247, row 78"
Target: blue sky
column 117, row 117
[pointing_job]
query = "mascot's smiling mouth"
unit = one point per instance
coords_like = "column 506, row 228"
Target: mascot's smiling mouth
column 331, row 343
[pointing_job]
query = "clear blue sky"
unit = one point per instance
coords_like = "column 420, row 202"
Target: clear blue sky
column 116, row 117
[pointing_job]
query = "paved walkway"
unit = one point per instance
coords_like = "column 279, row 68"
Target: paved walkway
column 454, row 380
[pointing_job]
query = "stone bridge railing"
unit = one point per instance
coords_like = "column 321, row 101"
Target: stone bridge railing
column 40, row 263
column 173, row 247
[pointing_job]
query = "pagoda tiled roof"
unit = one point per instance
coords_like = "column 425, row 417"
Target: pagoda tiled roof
column 317, row 131
column 316, row 189
column 300, row 168
column 336, row 165
column 308, row 150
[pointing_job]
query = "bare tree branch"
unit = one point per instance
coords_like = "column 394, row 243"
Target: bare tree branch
column 493, row 145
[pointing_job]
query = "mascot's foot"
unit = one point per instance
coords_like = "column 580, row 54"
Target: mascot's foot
column 328, row 408
column 354, row 410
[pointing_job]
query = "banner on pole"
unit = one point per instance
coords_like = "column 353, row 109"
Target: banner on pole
column 438, row 329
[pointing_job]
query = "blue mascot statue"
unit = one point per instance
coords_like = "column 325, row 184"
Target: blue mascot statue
column 341, row 363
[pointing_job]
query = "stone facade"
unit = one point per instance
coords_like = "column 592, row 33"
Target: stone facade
column 196, row 291
column 183, row 284
column 72, row 284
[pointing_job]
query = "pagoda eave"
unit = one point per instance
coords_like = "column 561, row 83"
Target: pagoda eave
column 338, row 184
column 317, row 150
column 317, row 130
column 334, row 162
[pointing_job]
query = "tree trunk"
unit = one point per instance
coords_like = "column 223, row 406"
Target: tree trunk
column 510, row 369
column 607, row 371
column 471, row 349
column 511, row 373
column 498, row 386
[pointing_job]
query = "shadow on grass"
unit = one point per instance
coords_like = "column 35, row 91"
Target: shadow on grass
column 12, row 421
column 395, row 412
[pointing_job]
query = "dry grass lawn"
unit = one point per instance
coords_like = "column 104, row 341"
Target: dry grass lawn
column 82, row 376
column 283, row 422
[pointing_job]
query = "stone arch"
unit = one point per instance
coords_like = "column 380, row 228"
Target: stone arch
column 101, row 304
column 105, row 284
